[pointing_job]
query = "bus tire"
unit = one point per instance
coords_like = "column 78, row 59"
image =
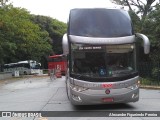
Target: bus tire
column 67, row 90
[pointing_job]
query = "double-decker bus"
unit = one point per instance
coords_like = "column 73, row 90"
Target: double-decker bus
column 24, row 67
column 101, row 47
column 57, row 62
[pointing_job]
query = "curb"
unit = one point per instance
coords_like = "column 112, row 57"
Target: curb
column 150, row 87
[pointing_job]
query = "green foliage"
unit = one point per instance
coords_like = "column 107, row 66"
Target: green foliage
column 155, row 72
column 145, row 81
column 152, row 29
column 55, row 28
column 149, row 81
column 136, row 21
column 24, row 36
column 20, row 38
column 143, row 7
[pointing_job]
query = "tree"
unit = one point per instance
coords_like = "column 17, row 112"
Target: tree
column 152, row 26
column 20, row 38
column 55, row 28
column 141, row 8
column 3, row 2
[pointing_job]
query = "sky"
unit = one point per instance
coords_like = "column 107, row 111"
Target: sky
column 59, row 9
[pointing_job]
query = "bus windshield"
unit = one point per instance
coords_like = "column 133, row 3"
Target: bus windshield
column 100, row 23
column 102, row 61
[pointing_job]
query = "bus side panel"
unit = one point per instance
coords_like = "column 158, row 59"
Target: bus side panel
column 51, row 65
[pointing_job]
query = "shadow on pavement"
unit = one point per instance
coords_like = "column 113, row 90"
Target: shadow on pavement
column 113, row 107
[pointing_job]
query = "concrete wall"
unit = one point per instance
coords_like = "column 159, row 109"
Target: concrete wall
column 5, row 75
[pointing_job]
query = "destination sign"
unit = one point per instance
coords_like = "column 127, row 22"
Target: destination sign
column 90, row 48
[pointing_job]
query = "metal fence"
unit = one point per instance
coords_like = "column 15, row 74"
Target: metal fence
column 149, row 73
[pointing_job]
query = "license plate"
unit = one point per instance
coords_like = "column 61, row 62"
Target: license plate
column 107, row 99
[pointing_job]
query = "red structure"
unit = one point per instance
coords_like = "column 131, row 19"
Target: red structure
column 57, row 62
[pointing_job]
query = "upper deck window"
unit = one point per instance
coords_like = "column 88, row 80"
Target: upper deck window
column 100, row 23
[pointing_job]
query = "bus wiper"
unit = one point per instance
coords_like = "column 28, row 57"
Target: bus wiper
column 123, row 72
column 80, row 75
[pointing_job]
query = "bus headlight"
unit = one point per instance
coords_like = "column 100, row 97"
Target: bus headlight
column 77, row 88
column 132, row 87
column 77, row 98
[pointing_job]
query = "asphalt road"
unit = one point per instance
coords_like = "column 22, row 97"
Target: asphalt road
column 43, row 94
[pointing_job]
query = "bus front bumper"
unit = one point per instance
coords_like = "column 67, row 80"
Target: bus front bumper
column 89, row 97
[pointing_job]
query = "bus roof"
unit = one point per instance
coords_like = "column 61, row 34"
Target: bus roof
column 26, row 61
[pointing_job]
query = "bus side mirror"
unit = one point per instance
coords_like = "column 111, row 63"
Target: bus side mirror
column 65, row 44
column 146, row 42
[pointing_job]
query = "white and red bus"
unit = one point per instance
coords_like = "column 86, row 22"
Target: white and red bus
column 24, row 67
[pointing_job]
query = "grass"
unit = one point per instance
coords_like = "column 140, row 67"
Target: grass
column 149, row 81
